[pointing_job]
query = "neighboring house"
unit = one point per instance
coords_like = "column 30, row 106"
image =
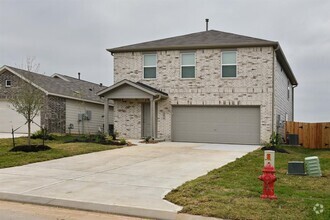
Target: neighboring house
column 70, row 104
column 209, row 86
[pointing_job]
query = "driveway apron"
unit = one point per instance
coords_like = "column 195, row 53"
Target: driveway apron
column 130, row 180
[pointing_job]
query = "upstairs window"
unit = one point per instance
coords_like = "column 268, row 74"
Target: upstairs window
column 149, row 66
column 8, row 83
column 228, row 64
column 188, row 65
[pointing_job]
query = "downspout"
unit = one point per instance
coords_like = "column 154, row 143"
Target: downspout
column 154, row 133
column 293, row 86
column 273, row 95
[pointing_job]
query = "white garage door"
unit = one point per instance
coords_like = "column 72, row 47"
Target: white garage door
column 216, row 124
column 9, row 119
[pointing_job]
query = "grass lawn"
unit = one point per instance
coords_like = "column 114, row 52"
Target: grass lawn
column 233, row 191
column 59, row 149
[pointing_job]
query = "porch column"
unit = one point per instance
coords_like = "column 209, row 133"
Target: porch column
column 106, row 116
column 154, row 135
column 151, row 117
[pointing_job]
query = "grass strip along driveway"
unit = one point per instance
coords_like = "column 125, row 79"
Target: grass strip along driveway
column 59, row 150
column 233, row 191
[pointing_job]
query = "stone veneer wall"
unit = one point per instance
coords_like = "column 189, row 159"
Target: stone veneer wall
column 252, row 87
column 53, row 114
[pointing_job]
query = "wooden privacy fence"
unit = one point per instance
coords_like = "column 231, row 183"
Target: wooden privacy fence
column 311, row 135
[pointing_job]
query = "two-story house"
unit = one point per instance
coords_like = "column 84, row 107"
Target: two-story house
column 209, row 86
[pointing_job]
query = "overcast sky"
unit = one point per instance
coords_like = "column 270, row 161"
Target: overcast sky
column 71, row 36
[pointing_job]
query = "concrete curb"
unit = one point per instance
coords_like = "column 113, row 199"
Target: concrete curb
column 183, row 216
column 114, row 209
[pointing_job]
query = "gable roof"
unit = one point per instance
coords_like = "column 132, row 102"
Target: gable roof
column 138, row 85
column 60, row 85
column 199, row 40
column 209, row 40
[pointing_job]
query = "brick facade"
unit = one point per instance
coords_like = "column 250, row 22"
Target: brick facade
column 53, row 110
column 7, row 92
column 53, row 114
column 127, row 118
column 252, row 87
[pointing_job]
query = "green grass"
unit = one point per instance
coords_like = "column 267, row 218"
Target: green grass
column 233, row 191
column 59, row 150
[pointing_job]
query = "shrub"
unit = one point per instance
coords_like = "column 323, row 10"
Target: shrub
column 147, row 139
column 122, row 141
column 42, row 135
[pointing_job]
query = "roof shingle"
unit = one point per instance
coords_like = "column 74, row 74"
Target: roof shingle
column 199, row 40
column 71, row 87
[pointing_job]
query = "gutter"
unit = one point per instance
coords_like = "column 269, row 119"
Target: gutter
column 132, row 48
column 294, row 86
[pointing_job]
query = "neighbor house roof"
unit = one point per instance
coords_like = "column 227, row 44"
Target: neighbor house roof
column 60, row 85
column 208, row 40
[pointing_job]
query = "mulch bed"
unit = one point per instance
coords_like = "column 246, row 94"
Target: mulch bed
column 30, row 148
column 113, row 142
column 276, row 149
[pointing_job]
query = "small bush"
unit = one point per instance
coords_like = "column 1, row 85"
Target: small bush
column 122, row 141
column 40, row 135
column 147, row 139
column 275, row 142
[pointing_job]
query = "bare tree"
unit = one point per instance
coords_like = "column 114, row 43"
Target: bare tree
column 28, row 100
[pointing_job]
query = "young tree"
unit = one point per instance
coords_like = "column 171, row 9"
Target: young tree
column 28, row 100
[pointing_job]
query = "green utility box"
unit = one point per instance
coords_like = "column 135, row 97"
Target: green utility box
column 296, row 168
column 313, row 166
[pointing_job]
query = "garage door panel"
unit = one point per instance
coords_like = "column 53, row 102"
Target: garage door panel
column 216, row 124
column 9, row 119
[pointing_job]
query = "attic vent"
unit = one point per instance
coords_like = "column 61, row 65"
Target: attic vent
column 8, row 83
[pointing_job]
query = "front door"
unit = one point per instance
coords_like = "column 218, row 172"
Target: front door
column 146, row 120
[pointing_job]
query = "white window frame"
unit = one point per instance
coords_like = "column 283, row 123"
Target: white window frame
column 231, row 64
column 181, row 65
column 6, row 83
column 288, row 92
column 150, row 66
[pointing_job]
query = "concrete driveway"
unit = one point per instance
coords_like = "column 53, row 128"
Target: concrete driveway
column 130, row 181
column 9, row 135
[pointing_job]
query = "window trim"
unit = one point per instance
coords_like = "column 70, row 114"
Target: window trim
column 150, row 66
column 288, row 90
column 181, row 65
column 6, row 83
column 228, row 77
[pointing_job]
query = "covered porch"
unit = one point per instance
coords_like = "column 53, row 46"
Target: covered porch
column 135, row 108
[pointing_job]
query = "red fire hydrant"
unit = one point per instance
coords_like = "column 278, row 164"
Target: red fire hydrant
column 269, row 178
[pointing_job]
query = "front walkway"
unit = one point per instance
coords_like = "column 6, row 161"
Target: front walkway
column 130, row 181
